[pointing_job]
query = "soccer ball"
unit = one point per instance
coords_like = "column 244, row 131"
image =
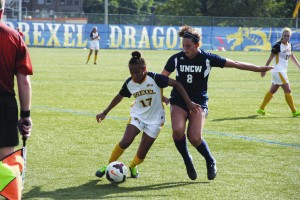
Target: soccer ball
column 116, row 172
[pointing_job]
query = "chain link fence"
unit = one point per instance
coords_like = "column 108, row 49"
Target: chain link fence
column 157, row 20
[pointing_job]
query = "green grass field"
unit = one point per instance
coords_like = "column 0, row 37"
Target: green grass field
column 258, row 157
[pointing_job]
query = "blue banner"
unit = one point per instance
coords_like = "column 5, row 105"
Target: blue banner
column 48, row 34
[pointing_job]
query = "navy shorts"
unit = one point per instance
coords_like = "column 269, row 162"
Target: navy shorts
column 181, row 103
column 8, row 121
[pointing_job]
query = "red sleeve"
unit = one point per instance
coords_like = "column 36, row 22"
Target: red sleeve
column 22, row 35
column 23, row 61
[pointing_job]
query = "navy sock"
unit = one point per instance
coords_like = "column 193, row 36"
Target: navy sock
column 181, row 146
column 203, row 149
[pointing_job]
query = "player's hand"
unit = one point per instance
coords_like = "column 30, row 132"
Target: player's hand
column 166, row 100
column 25, row 126
column 100, row 117
column 262, row 74
column 195, row 108
column 266, row 68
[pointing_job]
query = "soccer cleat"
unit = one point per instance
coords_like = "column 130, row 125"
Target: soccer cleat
column 134, row 172
column 211, row 170
column 296, row 114
column 95, row 63
column 100, row 172
column 261, row 112
column 191, row 170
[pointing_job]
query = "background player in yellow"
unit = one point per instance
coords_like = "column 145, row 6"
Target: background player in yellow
column 94, row 44
column 282, row 51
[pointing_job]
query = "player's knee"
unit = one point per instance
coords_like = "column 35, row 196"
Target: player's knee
column 289, row 91
column 124, row 144
column 195, row 139
column 178, row 134
column 178, row 130
column 141, row 155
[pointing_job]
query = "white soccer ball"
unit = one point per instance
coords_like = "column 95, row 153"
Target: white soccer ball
column 116, row 172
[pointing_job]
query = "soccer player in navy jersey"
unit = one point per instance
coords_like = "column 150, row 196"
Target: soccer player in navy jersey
column 282, row 51
column 147, row 114
column 14, row 61
column 193, row 67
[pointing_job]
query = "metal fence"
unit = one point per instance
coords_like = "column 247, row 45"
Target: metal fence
column 160, row 20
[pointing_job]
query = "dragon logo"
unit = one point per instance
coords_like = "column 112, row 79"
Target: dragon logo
column 250, row 39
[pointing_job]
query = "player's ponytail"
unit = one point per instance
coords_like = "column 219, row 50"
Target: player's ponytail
column 136, row 54
column 137, row 59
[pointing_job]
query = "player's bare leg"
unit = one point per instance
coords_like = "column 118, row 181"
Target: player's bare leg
column 179, row 117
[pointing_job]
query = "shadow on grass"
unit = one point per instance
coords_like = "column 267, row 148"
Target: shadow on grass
column 91, row 190
column 268, row 116
column 236, row 118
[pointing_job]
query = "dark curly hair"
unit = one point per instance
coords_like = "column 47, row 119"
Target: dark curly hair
column 137, row 59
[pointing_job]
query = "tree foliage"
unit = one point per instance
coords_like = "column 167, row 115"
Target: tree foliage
column 222, row 8
column 93, row 6
column 119, row 6
column 228, row 8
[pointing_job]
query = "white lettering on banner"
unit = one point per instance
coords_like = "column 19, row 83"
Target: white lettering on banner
column 171, row 32
column 37, row 34
column 130, row 33
column 160, row 38
column 80, row 41
column 118, row 36
column 144, row 43
column 53, row 41
column 69, row 38
column 171, row 38
column 115, row 32
column 49, row 34
column 24, row 27
column 68, row 35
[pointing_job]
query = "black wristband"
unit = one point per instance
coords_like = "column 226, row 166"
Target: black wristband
column 25, row 113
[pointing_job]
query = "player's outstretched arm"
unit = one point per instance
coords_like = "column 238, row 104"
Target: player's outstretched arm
column 193, row 107
column 294, row 59
column 118, row 98
column 246, row 66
